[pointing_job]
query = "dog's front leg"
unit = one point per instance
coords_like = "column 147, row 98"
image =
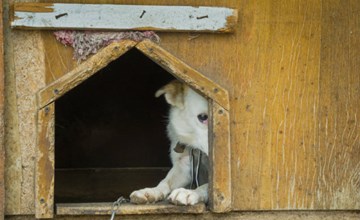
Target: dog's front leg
column 183, row 196
column 178, row 176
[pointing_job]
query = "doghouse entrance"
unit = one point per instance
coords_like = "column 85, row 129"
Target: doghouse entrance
column 110, row 132
column 102, row 148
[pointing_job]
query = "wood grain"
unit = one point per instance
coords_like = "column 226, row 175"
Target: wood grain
column 219, row 153
column 298, row 122
column 45, row 159
column 57, row 61
column 276, row 120
column 11, row 142
column 338, row 180
column 2, row 124
column 33, row 7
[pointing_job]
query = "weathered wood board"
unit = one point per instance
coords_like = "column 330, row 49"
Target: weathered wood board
column 339, row 106
column 297, row 127
column 45, row 163
column 2, row 124
column 220, row 154
column 126, row 209
column 123, row 17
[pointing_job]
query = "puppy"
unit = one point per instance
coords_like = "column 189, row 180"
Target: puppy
column 187, row 126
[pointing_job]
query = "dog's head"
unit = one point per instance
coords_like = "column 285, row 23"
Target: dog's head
column 188, row 118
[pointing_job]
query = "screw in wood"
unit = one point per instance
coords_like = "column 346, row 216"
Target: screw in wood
column 47, row 110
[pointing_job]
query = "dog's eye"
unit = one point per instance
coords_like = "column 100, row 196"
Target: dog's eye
column 202, row 117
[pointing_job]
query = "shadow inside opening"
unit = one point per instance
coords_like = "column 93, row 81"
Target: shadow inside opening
column 110, row 132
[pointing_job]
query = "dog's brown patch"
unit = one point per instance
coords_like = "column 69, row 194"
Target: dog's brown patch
column 174, row 93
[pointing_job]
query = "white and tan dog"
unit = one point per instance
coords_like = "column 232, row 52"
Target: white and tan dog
column 188, row 125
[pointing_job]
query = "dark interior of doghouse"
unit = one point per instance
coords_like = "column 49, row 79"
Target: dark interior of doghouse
column 110, row 132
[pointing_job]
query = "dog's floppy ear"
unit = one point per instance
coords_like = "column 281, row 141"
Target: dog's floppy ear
column 174, row 93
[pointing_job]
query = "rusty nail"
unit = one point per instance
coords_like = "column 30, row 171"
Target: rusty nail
column 61, row 15
column 220, row 111
column 42, row 200
column 56, row 91
column 216, row 90
column 202, row 17
column 142, row 14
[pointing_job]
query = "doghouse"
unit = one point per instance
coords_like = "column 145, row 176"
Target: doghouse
column 77, row 132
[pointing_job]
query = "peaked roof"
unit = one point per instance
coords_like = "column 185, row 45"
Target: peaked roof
column 166, row 60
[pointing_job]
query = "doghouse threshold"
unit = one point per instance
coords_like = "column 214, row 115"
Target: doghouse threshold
column 126, row 209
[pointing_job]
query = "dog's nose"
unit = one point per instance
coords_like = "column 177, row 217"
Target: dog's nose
column 202, row 117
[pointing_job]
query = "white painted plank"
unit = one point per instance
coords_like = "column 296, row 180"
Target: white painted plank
column 124, row 17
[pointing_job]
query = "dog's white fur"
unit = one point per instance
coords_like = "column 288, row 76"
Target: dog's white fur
column 183, row 127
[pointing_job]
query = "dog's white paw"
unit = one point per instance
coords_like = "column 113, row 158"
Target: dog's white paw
column 183, row 196
column 146, row 195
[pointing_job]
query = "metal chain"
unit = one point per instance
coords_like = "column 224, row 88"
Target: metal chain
column 116, row 205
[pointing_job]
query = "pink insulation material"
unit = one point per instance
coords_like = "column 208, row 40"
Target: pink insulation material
column 90, row 42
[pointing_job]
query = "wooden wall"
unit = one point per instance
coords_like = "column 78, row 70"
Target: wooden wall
column 292, row 70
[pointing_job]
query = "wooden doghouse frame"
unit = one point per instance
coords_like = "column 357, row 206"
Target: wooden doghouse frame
column 219, row 131
column 292, row 72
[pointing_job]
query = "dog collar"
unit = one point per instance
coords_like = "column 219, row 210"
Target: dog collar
column 179, row 148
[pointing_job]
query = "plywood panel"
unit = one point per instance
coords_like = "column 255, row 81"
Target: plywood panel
column 57, row 57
